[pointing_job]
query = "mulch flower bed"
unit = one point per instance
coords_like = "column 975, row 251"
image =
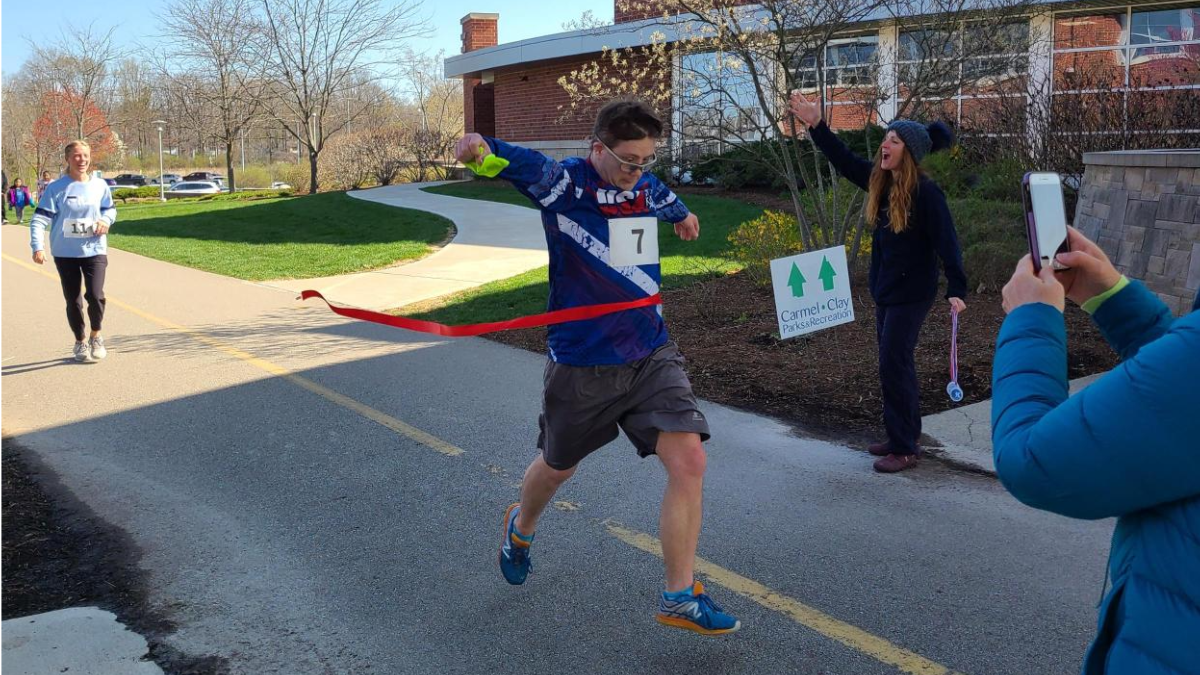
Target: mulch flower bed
column 827, row 383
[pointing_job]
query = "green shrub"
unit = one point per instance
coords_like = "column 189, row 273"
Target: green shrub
column 254, row 176
column 245, row 196
column 757, row 242
column 136, row 193
column 296, row 175
column 740, row 167
column 1001, row 180
column 991, row 235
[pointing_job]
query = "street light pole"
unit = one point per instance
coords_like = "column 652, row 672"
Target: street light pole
column 162, row 189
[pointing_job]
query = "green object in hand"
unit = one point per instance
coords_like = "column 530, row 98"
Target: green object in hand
column 490, row 167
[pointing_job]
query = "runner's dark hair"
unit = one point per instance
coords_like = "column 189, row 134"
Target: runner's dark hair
column 626, row 119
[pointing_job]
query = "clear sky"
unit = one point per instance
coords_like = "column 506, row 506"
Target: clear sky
column 519, row 19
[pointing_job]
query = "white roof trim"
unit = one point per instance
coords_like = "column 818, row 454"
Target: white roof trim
column 557, row 45
column 587, row 41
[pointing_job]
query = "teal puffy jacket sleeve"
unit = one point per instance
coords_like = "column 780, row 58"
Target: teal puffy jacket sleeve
column 1128, row 442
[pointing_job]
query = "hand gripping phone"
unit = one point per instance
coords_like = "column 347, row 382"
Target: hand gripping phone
column 1045, row 218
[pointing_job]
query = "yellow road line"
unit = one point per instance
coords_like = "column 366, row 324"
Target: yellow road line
column 839, row 631
column 328, row 394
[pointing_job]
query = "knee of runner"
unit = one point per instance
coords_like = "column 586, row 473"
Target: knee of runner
column 559, row 476
column 686, row 461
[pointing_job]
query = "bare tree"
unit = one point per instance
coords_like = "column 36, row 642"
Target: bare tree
column 437, row 114
column 738, row 65
column 221, row 41
column 78, row 64
column 22, row 153
column 318, row 49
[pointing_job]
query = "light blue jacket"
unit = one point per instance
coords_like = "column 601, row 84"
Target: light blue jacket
column 1128, row 446
column 70, row 209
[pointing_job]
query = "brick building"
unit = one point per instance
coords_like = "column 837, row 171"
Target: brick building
column 1115, row 58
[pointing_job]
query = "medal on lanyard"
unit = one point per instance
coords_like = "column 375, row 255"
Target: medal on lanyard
column 955, row 391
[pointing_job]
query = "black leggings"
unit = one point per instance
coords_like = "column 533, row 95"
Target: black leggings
column 75, row 271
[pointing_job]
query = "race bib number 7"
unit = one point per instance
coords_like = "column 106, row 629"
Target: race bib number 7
column 632, row 241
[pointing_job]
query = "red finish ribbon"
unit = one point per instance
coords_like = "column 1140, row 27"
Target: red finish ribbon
column 466, row 330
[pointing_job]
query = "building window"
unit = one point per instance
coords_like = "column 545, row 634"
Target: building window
column 962, row 75
column 718, row 103
column 1133, row 67
column 844, row 72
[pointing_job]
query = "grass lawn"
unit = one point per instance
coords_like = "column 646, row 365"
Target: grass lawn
column 288, row 238
column 683, row 262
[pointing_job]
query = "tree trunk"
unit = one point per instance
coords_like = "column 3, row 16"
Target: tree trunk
column 312, row 172
column 229, row 167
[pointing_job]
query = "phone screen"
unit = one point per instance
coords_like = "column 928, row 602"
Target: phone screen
column 1049, row 215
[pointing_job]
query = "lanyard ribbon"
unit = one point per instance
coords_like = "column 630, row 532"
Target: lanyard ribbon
column 466, row 330
column 955, row 391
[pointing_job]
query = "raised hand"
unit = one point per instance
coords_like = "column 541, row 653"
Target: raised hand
column 472, row 148
column 805, row 110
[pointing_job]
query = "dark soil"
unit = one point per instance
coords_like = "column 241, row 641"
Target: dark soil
column 58, row 554
column 827, row 383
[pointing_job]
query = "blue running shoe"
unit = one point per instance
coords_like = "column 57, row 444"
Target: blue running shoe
column 696, row 612
column 514, row 551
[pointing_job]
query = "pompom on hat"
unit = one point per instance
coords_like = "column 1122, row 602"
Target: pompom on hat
column 921, row 139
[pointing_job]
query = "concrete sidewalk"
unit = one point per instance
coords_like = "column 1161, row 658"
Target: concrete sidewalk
column 964, row 435
column 493, row 241
column 79, row 641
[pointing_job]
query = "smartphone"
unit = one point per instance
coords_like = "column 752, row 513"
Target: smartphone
column 1045, row 218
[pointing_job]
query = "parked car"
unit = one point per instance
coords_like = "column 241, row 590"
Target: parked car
column 280, row 185
column 131, row 179
column 205, row 176
column 192, row 189
column 112, row 184
column 167, row 178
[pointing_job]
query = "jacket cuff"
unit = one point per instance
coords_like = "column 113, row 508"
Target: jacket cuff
column 1094, row 304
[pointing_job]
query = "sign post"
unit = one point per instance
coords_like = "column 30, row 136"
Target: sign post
column 812, row 291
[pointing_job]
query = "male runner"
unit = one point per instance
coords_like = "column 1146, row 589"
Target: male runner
column 601, row 217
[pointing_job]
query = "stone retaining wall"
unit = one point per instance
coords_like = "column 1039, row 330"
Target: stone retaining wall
column 1143, row 209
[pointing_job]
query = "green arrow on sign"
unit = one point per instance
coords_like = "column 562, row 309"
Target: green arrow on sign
column 796, row 280
column 827, row 274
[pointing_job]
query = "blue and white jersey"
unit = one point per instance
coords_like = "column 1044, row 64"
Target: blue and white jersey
column 70, row 209
column 603, row 244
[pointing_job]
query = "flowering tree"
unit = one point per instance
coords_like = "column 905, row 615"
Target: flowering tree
column 63, row 114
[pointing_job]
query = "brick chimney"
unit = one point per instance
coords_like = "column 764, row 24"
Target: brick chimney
column 479, row 31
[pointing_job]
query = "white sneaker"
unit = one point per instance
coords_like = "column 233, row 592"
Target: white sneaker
column 98, row 350
column 82, row 353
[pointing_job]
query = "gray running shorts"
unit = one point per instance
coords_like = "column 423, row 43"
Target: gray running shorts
column 582, row 406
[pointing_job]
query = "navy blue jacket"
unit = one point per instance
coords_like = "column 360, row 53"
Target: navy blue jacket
column 1127, row 446
column 903, row 266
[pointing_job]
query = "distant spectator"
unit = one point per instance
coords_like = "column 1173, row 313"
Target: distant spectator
column 1127, row 446
column 42, row 184
column 18, row 198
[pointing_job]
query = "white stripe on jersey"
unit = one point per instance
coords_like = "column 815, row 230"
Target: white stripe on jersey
column 599, row 250
column 558, row 190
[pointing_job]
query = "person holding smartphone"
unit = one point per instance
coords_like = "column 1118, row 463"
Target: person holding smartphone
column 912, row 229
column 78, row 211
column 1125, row 447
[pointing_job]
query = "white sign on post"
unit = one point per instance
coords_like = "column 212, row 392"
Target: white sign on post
column 812, row 291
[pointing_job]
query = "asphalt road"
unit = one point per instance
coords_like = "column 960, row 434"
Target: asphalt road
column 312, row 495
